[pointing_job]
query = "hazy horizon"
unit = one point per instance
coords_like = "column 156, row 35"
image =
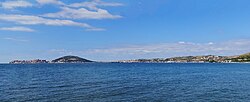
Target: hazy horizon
column 107, row 30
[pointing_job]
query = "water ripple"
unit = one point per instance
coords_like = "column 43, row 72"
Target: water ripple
column 102, row 82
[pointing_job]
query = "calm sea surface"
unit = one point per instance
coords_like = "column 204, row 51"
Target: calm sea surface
column 114, row 82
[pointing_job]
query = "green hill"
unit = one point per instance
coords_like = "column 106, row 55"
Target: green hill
column 242, row 58
column 71, row 59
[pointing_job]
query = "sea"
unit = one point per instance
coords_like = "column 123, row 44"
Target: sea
column 125, row 82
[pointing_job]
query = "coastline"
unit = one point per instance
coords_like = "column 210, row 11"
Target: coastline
column 244, row 58
column 132, row 63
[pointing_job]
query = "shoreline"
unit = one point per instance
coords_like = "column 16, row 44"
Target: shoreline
column 134, row 63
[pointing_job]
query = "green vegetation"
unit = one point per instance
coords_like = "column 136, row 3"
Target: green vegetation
column 70, row 59
column 242, row 58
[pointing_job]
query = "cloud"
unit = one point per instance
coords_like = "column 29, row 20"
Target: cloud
column 15, row 4
column 60, row 51
column 68, row 12
column 82, row 13
column 96, row 29
column 163, row 50
column 88, row 4
column 17, row 28
column 93, row 4
column 229, row 47
column 15, row 39
column 56, row 2
column 36, row 20
column 101, row 3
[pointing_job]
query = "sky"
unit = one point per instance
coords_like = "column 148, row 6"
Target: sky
column 108, row 30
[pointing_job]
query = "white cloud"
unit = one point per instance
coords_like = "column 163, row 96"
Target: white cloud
column 96, row 29
column 56, row 2
column 82, row 13
column 181, row 42
column 15, row 4
column 210, row 43
column 164, row 50
column 15, row 39
column 17, row 28
column 35, row 20
column 72, row 11
column 94, row 3
column 101, row 3
column 60, row 51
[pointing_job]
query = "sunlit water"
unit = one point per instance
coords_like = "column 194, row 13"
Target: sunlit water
column 114, row 82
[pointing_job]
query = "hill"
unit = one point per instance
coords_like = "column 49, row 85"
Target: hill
column 185, row 59
column 71, row 59
column 242, row 58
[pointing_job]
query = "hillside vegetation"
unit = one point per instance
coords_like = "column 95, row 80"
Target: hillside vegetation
column 71, row 59
column 242, row 58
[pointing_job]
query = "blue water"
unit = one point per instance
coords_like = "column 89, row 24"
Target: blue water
column 114, row 82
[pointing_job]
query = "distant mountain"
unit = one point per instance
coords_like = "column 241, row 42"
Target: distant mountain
column 70, row 59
